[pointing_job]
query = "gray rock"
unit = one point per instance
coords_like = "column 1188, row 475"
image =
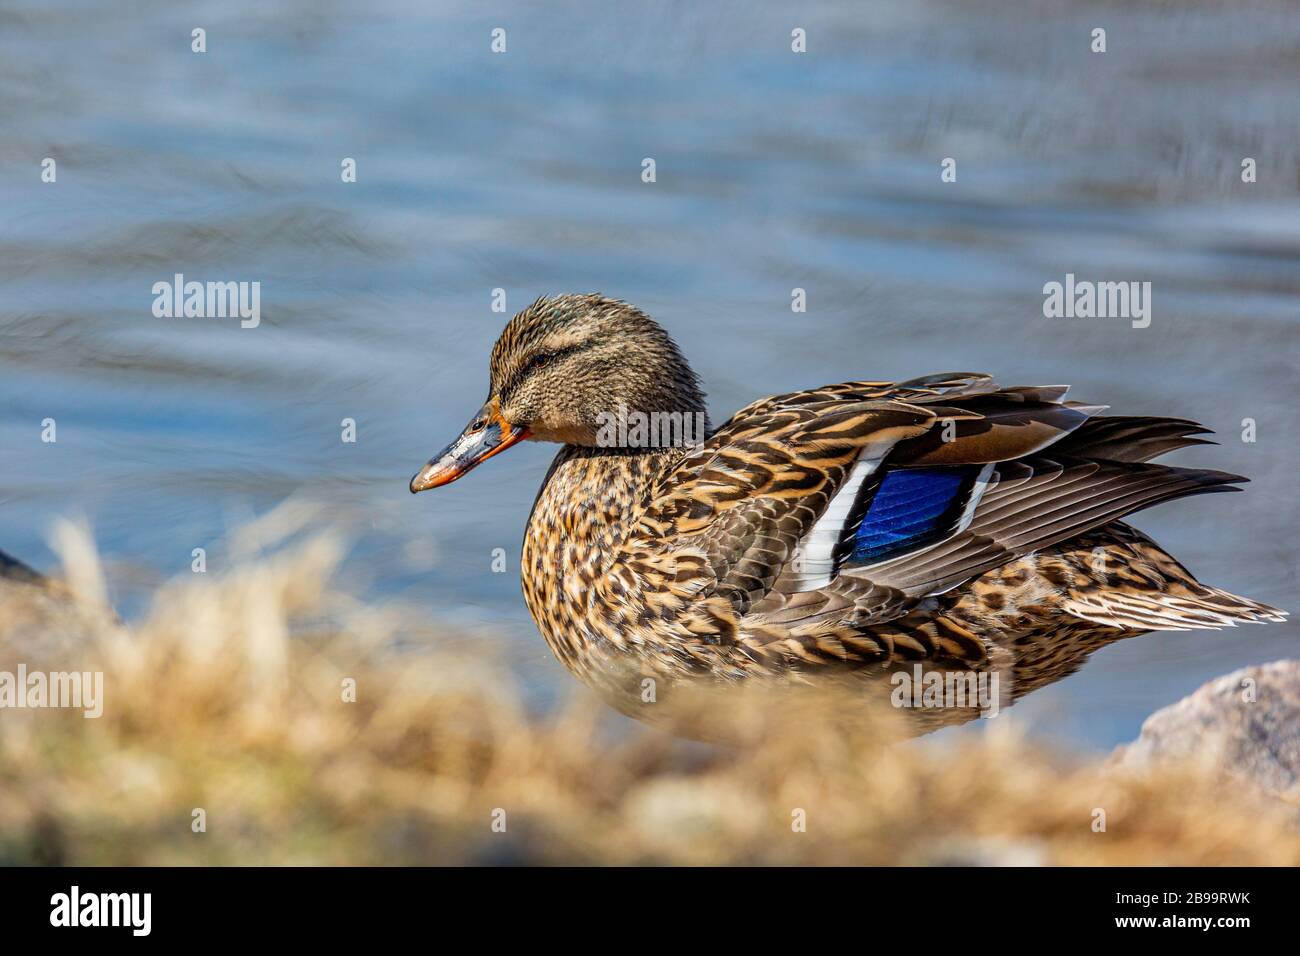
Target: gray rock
column 11, row 569
column 40, row 622
column 1246, row 723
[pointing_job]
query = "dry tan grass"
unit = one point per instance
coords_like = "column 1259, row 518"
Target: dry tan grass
column 227, row 696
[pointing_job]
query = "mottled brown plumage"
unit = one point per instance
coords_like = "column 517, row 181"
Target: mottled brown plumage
column 754, row 555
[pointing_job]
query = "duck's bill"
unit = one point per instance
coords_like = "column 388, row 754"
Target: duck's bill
column 486, row 435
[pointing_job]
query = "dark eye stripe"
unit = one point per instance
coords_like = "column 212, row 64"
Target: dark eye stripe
column 550, row 359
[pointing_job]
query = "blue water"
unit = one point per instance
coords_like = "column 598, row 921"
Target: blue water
column 522, row 170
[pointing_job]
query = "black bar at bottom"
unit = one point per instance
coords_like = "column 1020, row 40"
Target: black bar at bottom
column 334, row 906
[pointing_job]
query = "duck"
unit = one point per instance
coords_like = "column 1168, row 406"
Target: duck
column 840, row 535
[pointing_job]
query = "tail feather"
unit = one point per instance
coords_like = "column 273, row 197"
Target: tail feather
column 1140, row 587
column 1135, row 438
column 1208, row 608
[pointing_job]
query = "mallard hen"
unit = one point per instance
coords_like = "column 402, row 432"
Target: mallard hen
column 851, row 531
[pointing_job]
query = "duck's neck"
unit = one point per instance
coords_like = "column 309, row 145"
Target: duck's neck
column 590, row 501
column 592, row 495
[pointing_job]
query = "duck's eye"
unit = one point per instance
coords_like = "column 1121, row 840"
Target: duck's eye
column 540, row 361
column 478, row 426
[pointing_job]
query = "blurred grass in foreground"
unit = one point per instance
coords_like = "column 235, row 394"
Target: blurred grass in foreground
column 227, row 696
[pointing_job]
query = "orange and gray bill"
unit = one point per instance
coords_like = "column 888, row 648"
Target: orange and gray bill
column 486, row 435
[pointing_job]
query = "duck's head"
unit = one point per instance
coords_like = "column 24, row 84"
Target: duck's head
column 560, row 369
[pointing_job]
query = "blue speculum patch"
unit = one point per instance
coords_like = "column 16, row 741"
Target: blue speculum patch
column 911, row 508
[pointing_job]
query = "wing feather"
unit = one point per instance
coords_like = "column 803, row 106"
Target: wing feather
column 741, row 504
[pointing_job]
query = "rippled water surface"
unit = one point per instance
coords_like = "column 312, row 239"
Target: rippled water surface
column 522, row 171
